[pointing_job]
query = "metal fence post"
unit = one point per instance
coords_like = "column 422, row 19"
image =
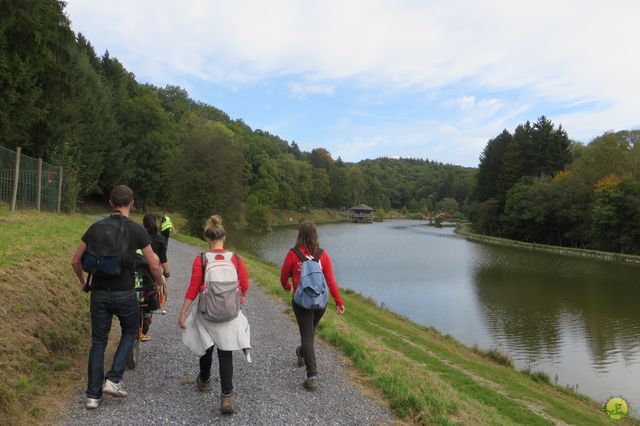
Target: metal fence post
column 14, row 194
column 59, row 189
column 39, row 184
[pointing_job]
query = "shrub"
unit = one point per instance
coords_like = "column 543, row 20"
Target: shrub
column 494, row 355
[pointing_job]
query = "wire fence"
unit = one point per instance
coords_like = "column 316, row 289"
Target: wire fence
column 37, row 186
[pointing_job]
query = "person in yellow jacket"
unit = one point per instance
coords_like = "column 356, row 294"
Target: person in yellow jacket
column 166, row 228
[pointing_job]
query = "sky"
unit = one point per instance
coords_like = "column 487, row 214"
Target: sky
column 369, row 78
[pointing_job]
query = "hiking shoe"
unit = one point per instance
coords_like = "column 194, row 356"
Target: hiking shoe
column 299, row 355
column 93, row 403
column 226, row 404
column 311, row 383
column 145, row 337
column 114, row 389
column 203, row 386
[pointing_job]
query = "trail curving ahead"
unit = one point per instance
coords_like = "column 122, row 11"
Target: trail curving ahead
column 268, row 391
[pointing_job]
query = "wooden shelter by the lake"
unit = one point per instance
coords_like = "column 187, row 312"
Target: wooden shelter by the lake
column 360, row 214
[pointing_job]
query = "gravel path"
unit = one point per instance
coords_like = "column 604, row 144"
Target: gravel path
column 268, row 391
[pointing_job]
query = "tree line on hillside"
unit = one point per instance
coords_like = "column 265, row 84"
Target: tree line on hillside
column 63, row 102
column 536, row 185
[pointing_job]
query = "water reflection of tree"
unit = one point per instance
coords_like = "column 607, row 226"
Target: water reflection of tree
column 529, row 298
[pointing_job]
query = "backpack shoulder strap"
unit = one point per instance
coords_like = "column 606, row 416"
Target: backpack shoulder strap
column 318, row 254
column 298, row 253
column 118, row 221
column 204, row 264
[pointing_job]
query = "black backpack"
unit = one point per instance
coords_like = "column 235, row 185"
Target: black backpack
column 107, row 252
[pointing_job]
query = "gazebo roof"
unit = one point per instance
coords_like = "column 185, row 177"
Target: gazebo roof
column 361, row 207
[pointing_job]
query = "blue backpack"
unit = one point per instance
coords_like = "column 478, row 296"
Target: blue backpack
column 312, row 291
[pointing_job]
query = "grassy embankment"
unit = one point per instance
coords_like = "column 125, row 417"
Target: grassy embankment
column 286, row 217
column 44, row 318
column 428, row 378
column 274, row 217
column 465, row 231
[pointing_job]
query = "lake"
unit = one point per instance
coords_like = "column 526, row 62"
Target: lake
column 576, row 318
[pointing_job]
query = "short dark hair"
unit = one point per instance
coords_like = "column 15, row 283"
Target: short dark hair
column 150, row 224
column 121, row 196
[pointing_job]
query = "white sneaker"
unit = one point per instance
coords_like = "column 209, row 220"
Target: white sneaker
column 93, row 403
column 114, row 389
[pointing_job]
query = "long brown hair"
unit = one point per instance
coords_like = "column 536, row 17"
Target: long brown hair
column 213, row 229
column 308, row 237
column 150, row 224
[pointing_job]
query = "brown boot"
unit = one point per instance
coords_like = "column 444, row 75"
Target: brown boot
column 226, row 404
column 311, row 383
column 202, row 385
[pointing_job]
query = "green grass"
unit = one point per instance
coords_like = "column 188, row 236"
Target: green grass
column 287, row 217
column 44, row 318
column 428, row 378
column 465, row 231
column 494, row 355
column 425, row 377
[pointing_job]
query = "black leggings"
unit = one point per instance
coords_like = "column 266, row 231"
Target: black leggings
column 307, row 321
column 225, row 360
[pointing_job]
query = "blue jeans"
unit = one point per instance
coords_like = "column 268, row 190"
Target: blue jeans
column 104, row 305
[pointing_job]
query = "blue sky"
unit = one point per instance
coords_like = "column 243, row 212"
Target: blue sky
column 426, row 79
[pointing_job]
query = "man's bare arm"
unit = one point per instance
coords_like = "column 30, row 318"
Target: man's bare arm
column 76, row 263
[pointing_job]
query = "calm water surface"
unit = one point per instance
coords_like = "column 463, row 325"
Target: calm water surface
column 575, row 318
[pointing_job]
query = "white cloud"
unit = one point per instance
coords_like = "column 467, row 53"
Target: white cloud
column 570, row 52
column 300, row 90
column 466, row 102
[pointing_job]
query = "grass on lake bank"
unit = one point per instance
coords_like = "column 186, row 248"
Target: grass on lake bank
column 44, row 319
column 428, row 378
column 465, row 231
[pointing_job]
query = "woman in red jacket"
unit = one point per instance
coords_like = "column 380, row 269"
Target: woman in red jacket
column 200, row 334
column 307, row 244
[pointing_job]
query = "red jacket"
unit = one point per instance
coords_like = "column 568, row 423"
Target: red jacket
column 196, row 275
column 291, row 268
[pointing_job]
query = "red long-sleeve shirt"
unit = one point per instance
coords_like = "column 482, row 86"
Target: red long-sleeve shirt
column 291, row 269
column 196, row 275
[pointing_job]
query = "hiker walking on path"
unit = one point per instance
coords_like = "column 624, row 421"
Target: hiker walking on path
column 307, row 261
column 220, row 281
column 166, row 228
column 107, row 252
column 159, row 247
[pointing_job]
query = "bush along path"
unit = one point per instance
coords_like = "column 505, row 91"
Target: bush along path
column 162, row 389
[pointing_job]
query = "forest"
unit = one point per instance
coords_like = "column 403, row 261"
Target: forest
column 65, row 103
column 536, row 185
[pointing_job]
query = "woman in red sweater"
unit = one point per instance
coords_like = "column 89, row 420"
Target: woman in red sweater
column 307, row 244
column 201, row 334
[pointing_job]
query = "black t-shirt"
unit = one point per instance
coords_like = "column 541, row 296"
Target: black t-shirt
column 159, row 247
column 138, row 239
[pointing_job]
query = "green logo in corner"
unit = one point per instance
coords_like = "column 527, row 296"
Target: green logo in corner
column 617, row 408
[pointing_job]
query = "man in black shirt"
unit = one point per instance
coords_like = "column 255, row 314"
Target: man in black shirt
column 114, row 295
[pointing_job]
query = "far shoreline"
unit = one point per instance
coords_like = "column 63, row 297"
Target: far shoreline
column 463, row 231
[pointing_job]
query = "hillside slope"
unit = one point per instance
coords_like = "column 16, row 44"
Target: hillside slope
column 44, row 318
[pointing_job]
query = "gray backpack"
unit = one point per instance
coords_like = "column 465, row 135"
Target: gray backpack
column 220, row 298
